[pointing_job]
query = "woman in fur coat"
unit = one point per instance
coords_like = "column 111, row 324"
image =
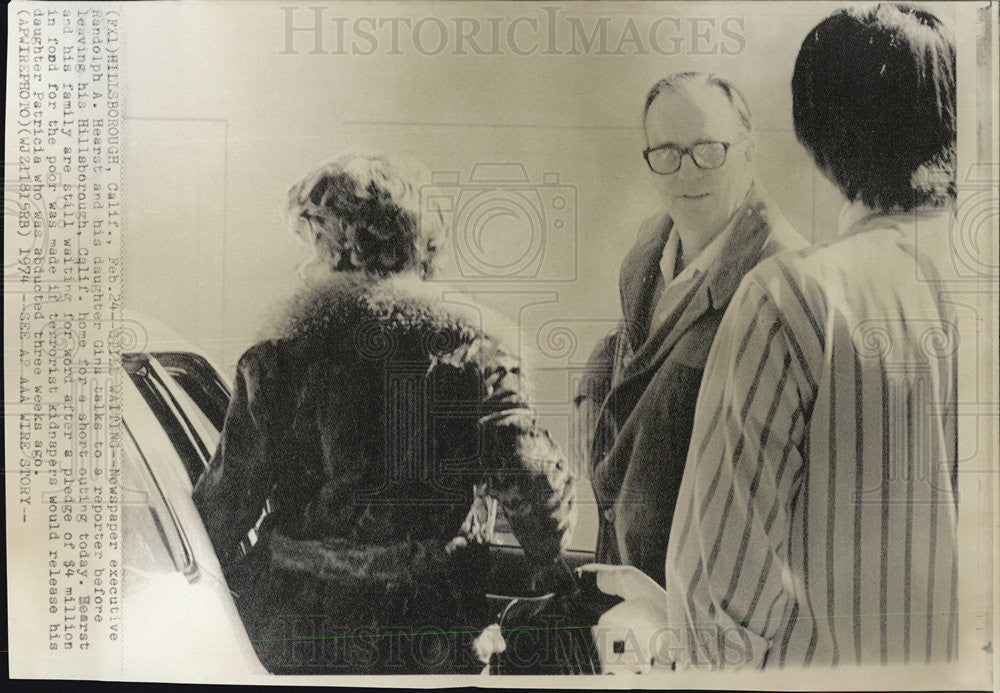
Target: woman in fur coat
column 378, row 419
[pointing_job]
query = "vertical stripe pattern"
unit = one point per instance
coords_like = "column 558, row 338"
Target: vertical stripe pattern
column 816, row 516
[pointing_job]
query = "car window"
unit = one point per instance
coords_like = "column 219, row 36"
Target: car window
column 175, row 421
column 154, row 541
column 200, row 381
column 189, row 399
column 198, row 423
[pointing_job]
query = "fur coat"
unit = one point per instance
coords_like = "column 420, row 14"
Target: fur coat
column 377, row 420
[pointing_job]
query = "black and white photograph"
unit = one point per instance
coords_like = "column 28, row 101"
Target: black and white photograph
column 441, row 343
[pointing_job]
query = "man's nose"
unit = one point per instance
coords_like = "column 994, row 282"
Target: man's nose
column 689, row 169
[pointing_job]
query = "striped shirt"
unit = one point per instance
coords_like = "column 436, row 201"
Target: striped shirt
column 816, row 522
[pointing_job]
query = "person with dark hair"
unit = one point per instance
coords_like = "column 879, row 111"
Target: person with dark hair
column 383, row 427
column 676, row 281
column 877, row 110
column 816, row 522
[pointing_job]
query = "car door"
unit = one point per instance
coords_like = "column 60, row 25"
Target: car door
column 178, row 611
column 183, row 400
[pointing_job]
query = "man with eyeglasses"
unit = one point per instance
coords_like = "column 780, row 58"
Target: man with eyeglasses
column 675, row 285
column 817, row 523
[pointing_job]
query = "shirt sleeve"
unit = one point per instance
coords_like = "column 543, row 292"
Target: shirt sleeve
column 230, row 495
column 727, row 575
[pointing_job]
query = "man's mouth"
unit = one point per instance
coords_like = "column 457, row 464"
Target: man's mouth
column 695, row 197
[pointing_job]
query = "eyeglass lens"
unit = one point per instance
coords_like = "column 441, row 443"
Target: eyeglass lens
column 706, row 155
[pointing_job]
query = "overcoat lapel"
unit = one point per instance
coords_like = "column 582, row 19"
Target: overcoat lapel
column 692, row 306
column 642, row 430
column 695, row 303
column 712, row 289
column 640, row 270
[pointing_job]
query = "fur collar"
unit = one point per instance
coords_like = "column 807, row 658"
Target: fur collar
column 402, row 301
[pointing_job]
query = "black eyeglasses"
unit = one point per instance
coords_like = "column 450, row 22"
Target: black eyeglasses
column 666, row 158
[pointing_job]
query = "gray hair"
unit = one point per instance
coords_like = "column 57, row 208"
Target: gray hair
column 362, row 211
column 688, row 80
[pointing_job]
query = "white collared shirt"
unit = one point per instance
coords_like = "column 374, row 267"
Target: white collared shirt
column 677, row 284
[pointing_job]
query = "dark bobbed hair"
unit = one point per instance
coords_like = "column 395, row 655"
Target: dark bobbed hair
column 873, row 100
column 691, row 80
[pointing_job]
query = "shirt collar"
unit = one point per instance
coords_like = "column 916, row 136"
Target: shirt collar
column 857, row 216
column 852, row 214
column 704, row 259
column 669, row 258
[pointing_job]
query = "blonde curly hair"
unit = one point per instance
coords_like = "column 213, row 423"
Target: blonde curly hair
column 362, row 211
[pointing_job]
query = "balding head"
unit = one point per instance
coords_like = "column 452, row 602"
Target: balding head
column 699, row 145
column 696, row 81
